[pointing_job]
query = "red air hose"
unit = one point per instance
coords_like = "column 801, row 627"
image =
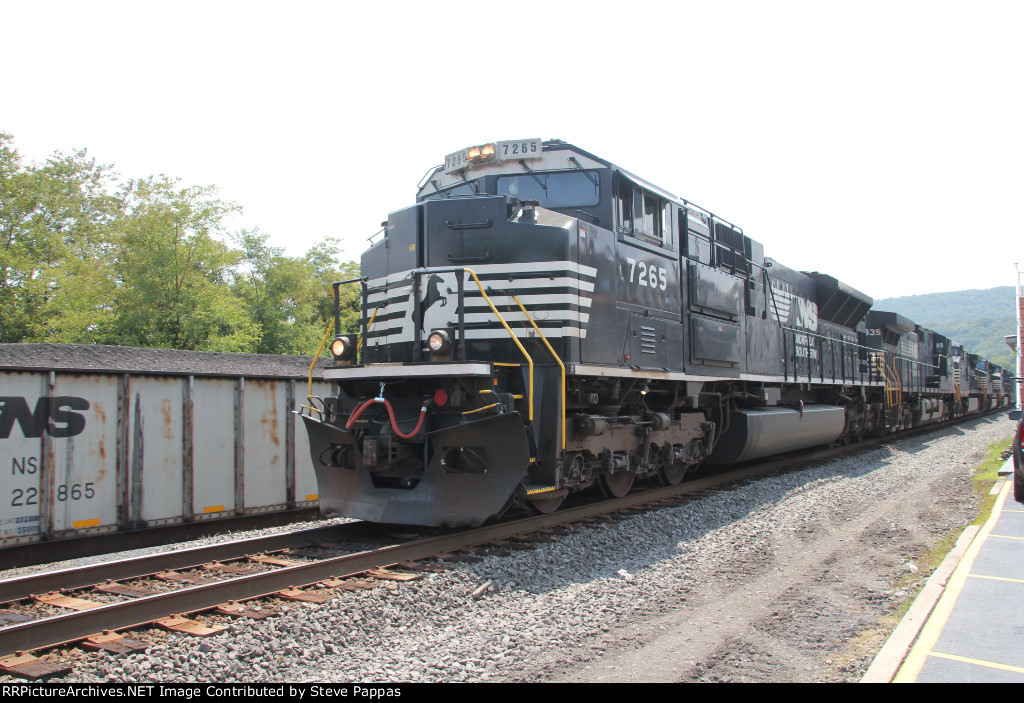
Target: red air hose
column 391, row 413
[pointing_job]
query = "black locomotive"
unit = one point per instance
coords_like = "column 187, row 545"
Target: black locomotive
column 542, row 320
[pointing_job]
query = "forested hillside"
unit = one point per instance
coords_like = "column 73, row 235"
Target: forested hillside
column 88, row 257
column 980, row 319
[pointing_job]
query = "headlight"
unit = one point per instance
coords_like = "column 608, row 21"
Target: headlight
column 478, row 155
column 439, row 342
column 343, row 348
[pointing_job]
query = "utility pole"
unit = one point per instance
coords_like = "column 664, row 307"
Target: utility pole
column 1020, row 342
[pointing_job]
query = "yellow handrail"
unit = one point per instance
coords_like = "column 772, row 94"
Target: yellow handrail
column 508, row 329
column 554, row 354
column 890, row 386
column 486, row 407
column 316, row 357
column 323, row 342
column 368, row 326
column 897, row 384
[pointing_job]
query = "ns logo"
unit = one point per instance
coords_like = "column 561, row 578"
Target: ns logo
column 54, row 416
column 806, row 314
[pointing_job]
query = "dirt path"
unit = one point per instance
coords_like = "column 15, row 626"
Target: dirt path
column 813, row 602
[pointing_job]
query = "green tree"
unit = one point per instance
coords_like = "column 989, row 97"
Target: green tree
column 173, row 275
column 289, row 298
column 83, row 259
column 55, row 281
column 323, row 258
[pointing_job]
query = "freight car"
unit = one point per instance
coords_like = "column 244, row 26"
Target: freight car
column 98, row 440
column 542, row 321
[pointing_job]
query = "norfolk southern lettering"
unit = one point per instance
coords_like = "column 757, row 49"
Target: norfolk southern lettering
column 55, row 416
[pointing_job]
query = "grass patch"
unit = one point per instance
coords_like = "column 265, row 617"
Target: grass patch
column 985, row 475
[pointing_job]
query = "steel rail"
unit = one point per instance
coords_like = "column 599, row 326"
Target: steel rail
column 71, row 627
column 78, row 625
column 82, row 546
column 78, row 577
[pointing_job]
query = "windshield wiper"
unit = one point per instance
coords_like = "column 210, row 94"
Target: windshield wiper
column 588, row 174
column 535, row 176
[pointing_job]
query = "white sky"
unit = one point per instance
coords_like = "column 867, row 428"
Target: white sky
column 879, row 142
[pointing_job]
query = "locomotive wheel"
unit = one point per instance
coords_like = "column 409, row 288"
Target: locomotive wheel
column 616, row 485
column 672, row 474
column 545, row 507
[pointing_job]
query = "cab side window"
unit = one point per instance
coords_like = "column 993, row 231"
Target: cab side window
column 642, row 214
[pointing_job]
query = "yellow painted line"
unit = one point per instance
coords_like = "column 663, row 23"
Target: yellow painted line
column 213, row 509
column 997, row 578
column 502, row 363
column 932, row 629
column 78, row 524
column 314, row 496
column 1008, row 537
column 979, row 662
column 1013, row 511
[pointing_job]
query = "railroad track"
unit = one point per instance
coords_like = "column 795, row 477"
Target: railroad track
column 227, row 578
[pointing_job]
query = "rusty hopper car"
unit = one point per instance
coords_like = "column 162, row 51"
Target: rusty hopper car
column 542, row 321
column 112, row 440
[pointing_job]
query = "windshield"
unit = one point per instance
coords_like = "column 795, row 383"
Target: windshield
column 551, row 190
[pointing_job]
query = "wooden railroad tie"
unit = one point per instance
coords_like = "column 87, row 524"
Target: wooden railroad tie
column 237, row 610
column 61, row 601
column 114, row 643
column 27, row 666
column 179, row 623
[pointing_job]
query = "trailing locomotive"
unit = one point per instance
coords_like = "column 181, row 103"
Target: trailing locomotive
column 542, row 321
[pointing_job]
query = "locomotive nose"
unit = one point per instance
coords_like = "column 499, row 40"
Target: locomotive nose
column 473, row 471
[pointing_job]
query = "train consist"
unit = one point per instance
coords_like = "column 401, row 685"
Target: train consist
column 542, row 321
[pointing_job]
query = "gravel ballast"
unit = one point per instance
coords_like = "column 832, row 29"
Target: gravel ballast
column 785, row 579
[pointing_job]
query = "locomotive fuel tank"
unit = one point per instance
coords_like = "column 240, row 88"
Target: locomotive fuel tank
column 759, row 432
